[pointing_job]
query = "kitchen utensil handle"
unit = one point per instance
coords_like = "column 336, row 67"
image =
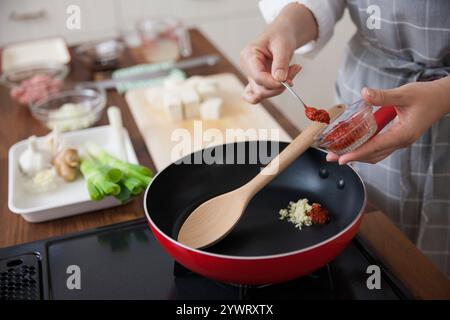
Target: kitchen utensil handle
column 28, row 16
column 208, row 60
column 298, row 146
column 383, row 116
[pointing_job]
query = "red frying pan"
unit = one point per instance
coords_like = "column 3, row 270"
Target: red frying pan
column 261, row 249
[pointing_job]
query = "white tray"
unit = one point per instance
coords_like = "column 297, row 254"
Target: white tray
column 70, row 198
column 26, row 53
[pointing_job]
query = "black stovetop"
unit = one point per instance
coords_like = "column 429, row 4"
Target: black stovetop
column 124, row 261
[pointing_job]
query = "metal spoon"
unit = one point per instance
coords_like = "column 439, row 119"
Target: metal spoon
column 294, row 93
column 311, row 113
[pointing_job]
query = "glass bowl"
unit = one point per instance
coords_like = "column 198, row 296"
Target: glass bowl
column 350, row 130
column 101, row 55
column 70, row 109
column 32, row 82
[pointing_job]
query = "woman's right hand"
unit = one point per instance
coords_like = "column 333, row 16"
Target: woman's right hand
column 266, row 61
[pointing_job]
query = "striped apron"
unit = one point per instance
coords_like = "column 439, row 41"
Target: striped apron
column 412, row 186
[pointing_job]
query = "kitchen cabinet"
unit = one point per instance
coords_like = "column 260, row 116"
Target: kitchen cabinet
column 193, row 10
column 98, row 20
column 28, row 19
column 31, row 19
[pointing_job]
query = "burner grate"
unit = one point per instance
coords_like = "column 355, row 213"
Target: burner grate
column 19, row 278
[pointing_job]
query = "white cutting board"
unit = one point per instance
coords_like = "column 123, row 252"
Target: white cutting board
column 168, row 141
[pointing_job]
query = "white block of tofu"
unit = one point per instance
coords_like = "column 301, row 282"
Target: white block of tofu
column 194, row 80
column 172, row 105
column 210, row 108
column 190, row 100
column 172, row 83
column 207, row 89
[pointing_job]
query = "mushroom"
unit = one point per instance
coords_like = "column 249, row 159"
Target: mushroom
column 66, row 164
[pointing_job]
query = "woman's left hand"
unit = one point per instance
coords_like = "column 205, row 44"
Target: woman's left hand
column 419, row 105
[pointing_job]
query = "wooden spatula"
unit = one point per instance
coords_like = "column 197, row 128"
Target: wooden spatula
column 214, row 219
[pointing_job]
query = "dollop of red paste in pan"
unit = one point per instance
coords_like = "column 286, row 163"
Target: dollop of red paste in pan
column 318, row 214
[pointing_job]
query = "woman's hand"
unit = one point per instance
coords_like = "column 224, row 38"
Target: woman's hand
column 266, row 61
column 419, row 105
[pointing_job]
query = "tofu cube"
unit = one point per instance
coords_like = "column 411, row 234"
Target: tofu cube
column 194, row 80
column 172, row 83
column 206, row 90
column 191, row 101
column 173, row 105
column 210, row 108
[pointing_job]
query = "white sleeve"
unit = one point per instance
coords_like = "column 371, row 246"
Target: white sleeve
column 326, row 13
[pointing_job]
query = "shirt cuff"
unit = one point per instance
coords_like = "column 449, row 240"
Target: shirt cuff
column 325, row 12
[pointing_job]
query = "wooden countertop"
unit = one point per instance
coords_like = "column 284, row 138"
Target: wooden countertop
column 397, row 252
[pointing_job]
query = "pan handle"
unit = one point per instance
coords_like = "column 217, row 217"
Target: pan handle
column 383, row 116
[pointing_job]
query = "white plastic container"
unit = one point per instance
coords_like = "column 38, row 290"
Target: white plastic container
column 69, row 198
column 21, row 54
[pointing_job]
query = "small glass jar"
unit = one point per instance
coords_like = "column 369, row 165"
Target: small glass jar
column 163, row 39
column 350, row 130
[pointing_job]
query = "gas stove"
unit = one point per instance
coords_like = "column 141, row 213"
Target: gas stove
column 124, row 261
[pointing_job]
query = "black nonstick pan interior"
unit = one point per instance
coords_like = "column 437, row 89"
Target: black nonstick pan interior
column 179, row 188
